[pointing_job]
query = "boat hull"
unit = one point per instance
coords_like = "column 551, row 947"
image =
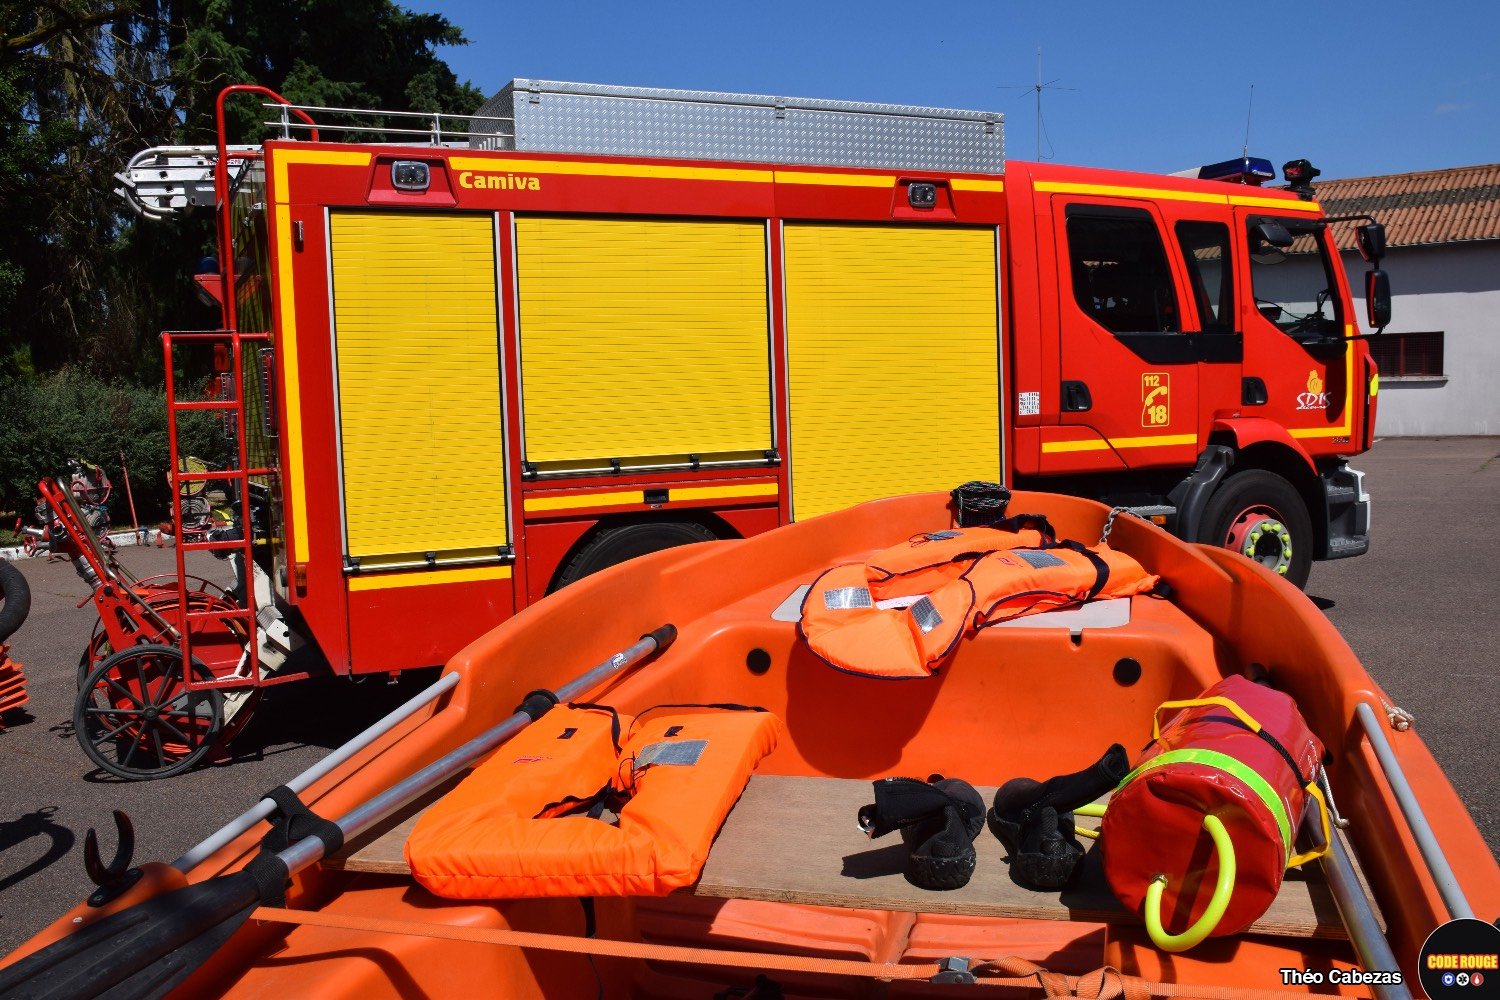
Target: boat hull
column 1025, row 700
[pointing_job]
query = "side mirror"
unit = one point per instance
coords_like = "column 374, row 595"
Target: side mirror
column 1371, row 240
column 1378, row 298
column 1268, row 242
column 1272, row 232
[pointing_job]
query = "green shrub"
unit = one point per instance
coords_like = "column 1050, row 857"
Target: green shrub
column 46, row 420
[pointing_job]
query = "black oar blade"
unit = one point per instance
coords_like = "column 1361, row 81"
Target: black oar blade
column 141, row 952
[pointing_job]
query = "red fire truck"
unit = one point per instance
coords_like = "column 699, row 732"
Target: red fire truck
column 591, row 322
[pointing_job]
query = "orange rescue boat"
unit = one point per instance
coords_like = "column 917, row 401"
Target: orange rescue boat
column 767, row 752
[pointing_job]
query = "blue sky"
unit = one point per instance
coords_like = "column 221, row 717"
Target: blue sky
column 1358, row 88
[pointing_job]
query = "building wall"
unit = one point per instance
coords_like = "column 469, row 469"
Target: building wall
column 1454, row 288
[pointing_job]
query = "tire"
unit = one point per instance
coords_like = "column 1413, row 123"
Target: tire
column 615, row 545
column 132, row 714
column 1261, row 515
column 15, row 599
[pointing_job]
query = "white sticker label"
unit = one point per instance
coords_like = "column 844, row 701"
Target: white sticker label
column 1028, row 404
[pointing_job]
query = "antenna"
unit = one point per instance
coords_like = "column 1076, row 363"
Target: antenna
column 1245, row 151
column 1037, row 88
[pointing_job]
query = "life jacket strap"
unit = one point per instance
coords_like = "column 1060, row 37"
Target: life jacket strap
column 1101, row 568
column 614, row 715
column 1037, row 522
column 607, row 799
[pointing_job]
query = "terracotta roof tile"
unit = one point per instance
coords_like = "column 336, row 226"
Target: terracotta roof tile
column 1433, row 206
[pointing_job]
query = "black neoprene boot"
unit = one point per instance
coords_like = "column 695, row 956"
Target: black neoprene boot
column 1034, row 819
column 938, row 819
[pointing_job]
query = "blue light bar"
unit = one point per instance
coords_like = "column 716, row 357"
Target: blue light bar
column 1245, row 170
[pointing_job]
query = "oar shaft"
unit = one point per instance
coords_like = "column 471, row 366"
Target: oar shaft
column 1365, row 935
column 359, row 819
column 247, row 819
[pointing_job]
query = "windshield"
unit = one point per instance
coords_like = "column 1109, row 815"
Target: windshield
column 1296, row 291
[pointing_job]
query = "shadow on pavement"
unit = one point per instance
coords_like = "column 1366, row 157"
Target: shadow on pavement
column 16, row 832
column 321, row 712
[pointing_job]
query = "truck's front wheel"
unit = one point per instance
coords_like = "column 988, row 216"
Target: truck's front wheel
column 1262, row 516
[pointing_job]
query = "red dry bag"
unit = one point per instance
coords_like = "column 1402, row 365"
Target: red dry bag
column 1200, row 832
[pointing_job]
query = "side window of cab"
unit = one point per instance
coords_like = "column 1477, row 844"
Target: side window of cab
column 1119, row 268
column 1205, row 250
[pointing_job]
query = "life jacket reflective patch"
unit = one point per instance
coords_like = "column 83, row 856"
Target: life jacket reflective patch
column 845, row 626
column 903, row 612
column 562, row 810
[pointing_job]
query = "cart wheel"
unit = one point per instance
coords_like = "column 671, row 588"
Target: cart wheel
column 94, row 653
column 134, row 719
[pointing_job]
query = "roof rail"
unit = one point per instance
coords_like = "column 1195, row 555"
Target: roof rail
column 367, row 120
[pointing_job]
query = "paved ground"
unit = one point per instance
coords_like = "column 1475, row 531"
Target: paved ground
column 52, row 794
column 1418, row 609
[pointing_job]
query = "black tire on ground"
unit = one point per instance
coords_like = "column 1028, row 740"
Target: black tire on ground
column 615, row 545
column 15, row 599
column 1257, row 488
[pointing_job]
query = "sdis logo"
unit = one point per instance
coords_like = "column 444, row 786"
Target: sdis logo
column 1314, row 398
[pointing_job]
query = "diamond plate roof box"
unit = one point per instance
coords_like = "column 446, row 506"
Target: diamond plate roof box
column 554, row 117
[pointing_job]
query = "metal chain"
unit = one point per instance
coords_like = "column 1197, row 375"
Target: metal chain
column 1109, row 523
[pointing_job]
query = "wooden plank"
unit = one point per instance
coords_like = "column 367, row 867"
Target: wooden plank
column 794, row 840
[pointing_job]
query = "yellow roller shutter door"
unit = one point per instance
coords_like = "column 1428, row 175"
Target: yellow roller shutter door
column 892, row 343
column 642, row 338
column 419, row 385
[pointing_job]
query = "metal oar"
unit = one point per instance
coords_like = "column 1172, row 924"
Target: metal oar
column 206, row 848
column 148, row 949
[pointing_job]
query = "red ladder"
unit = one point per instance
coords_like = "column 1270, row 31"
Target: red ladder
column 232, row 406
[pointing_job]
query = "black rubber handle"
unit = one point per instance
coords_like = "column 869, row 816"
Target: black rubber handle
column 664, row 636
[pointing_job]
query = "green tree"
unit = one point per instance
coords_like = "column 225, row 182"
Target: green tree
column 81, row 86
column 85, row 287
column 84, row 84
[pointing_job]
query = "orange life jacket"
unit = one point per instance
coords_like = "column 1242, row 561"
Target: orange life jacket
column 924, row 562
column 902, row 613
column 1029, row 581
column 571, row 807
column 843, row 623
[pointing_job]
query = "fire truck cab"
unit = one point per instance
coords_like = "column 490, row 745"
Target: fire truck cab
column 591, row 322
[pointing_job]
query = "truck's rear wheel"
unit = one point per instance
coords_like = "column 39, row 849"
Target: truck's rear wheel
column 615, row 545
column 1261, row 516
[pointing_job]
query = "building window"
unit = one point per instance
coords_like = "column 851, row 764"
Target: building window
column 1399, row 354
